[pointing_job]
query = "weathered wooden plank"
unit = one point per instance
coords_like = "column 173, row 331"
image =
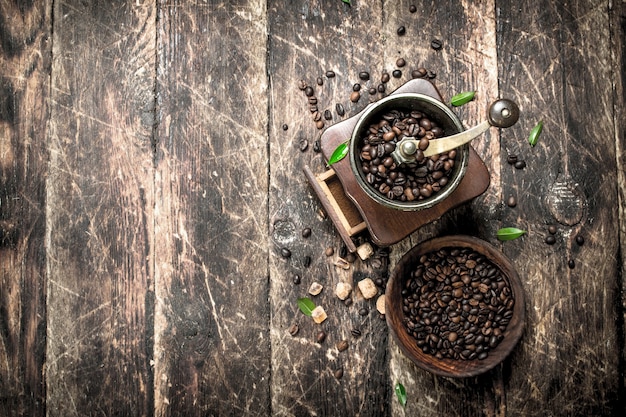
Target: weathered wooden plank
column 305, row 42
column 555, row 57
column 25, row 52
column 212, row 345
column 100, row 203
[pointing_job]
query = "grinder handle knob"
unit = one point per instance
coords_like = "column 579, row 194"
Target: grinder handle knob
column 503, row 113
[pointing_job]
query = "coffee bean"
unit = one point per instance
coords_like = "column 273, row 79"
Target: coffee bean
column 342, row 345
column 285, row 127
column 340, row 110
column 348, row 302
column 285, row 253
column 319, row 124
column 381, row 88
column 303, row 145
column 306, row 232
column 511, row 201
column 355, row 332
column 571, row 264
column 338, row 373
column 364, row 75
column 385, row 77
column 330, row 74
column 511, row 159
column 355, row 96
column 431, row 74
column 306, row 261
column 372, row 91
column 400, row 62
column 328, row 115
column 330, row 251
column 320, row 81
column 317, row 147
column 302, row 85
column 552, row 229
column 419, row 73
column 401, row 31
column 396, row 73
column 320, row 337
column 550, row 240
column 294, row 329
column 580, row 240
column 520, row 164
column 436, row 44
column 412, row 8
column 296, row 279
column 356, row 87
column 308, row 91
column 363, row 311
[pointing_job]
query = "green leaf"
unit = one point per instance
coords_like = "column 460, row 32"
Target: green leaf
column 401, row 393
column 510, row 233
column 339, row 153
column 346, row 1
column 306, row 306
column 534, row 134
column 462, row 98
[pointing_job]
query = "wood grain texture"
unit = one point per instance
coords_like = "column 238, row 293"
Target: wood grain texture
column 212, row 344
column 25, row 52
column 555, row 57
column 100, row 200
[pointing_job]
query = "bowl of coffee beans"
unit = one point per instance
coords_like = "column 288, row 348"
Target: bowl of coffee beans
column 410, row 180
column 455, row 306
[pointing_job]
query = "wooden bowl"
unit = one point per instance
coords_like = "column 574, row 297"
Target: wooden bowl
column 395, row 315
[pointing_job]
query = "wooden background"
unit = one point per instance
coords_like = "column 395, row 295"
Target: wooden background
column 147, row 187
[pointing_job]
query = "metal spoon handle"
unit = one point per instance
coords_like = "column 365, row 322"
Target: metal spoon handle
column 437, row 146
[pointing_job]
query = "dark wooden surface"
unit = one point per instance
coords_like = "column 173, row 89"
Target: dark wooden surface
column 147, row 187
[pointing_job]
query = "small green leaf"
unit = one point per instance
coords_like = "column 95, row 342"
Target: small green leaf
column 510, row 233
column 401, row 393
column 346, row 1
column 339, row 153
column 306, row 306
column 534, row 134
column 462, row 98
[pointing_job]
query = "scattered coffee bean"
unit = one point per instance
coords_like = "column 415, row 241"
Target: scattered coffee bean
column 304, row 145
column 401, row 31
column 330, row 251
column 550, row 240
column 384, row 78
column 320, row 81
column 319, row 124
column 320, row 337
column 285, row 253
column 356, row 87
column 431, row 74
column 355, row 332
column 302, row 85
column 330, row 74
column 511, row 201
column 343, row 251
column 363, row 311
column 364, row 75
column 338, row 373
column 355, row 96
column 340, row 110
column 294, row 329
column 306, row 261
column 296, row 279
column 552, row 229
column 580, row 240
column 400, row 62
column 372, row 91
column 285, row 127
column 342, row 345
column 317, row 147
column 520, row 164
column 396, row 73
column 381, row 88
column 412, row 8
column 348, row 302
column 419, row 73
column 456, row 304
column 571, row 264
column 436, row 44
column 350, row 257
column 328, row 115
column 308, row 91
column 306, row 232
column 511, row 159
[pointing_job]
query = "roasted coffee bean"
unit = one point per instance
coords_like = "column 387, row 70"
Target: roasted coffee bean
column 571, row 264
column 303, row 145
column 396, row 73
column 309, row 91
column 372, row 91
column 401, row 31
column 436, row 44
column 294, row 329
column 580, row 240
column 431, row 74
column 302, row 85
column 285, row 127
column 381, row 88
column 511, row 159
column 412, row 8
column 419, row 73
column 550, row 240
column 552, row 229
column 340, row 110
column 306, row 232
column 342, row 345
column 511, row 201
column 356, row 87
column 317, row 147
column 338, row 373
column 355, row 96
column 363, row 311
column 400, row 62
column 445, row 308
column 320, row 337
column 330, row 74
column 285, row 253
column 520, row 164
column 364, row 75
column 355, row 332
column 296, row 279
column 348, row 302
column 319, row 124
column 384, row 78
column 329, row 251
column 319, row 81
column 306, row 261
column 328, row 115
